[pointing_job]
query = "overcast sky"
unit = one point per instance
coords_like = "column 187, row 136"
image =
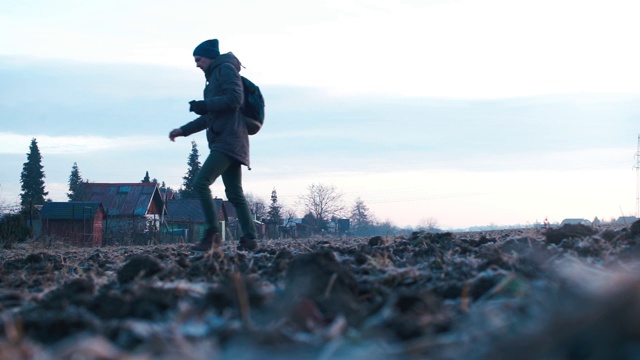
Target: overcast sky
column 464, row 112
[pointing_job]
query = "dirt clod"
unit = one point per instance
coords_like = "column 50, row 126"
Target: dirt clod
column 139, row 265
column 570, row 292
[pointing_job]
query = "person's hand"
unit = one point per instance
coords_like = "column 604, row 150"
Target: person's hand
column 175, row 133
column 199, row 107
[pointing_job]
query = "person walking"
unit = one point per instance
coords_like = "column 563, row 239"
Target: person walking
column 228, row 142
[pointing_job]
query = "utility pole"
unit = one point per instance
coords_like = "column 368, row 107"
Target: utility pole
column 637, row 167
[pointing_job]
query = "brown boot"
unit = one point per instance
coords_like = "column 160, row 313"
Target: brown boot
column 210, row 239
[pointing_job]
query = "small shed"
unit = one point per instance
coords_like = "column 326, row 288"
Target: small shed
column 186, row 214
column 233, row 224
column 294, row 228
column 80, row 223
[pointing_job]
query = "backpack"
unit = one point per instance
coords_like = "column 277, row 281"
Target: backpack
column 253, row 106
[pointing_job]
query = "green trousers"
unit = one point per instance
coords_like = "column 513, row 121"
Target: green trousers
column 219, row 164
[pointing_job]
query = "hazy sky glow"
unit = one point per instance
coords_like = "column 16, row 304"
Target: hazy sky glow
column 466, row 112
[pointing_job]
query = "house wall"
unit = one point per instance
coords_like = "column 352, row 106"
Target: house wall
column 75, row 232
column 195, row 230
column 123, row 229
column 98, row 229
column 126, row 224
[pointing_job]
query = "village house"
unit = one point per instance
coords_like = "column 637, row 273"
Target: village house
column 186, row 219
column 78, row 223
column 294, row 228
column 131, row 209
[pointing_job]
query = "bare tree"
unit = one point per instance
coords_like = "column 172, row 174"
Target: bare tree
column 257, row 205
column 428, row 225
column 287, row 212
column 323, row 201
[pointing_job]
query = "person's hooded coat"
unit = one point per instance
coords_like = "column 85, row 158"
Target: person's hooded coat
column 223, row 95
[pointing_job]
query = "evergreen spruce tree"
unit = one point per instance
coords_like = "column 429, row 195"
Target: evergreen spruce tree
column 32, row 178
column 75, row 181
column 146, row 178
column 274, row 215
column 360, row 218
column 187, row 191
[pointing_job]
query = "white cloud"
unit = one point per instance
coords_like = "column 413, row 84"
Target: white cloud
column 488, row 49
column 60, row 145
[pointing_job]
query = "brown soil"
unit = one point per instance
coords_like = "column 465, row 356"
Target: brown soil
column 567, row 293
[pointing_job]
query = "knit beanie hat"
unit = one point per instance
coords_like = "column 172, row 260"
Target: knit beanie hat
column 207, row 49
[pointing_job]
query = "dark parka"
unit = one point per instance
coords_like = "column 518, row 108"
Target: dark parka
column 223, row 95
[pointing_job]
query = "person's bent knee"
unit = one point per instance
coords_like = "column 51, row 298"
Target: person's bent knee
column 236, row 198
column 201, row 188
